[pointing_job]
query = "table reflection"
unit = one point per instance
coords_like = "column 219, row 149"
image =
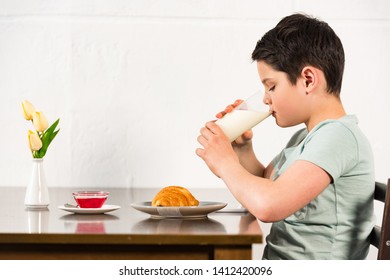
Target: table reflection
column 249, row 224
column 37, row 220
column 86, row 223
column 152, row 225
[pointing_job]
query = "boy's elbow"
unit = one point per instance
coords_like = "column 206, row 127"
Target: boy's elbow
column 266, row 214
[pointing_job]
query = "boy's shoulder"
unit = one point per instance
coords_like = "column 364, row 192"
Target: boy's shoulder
column 347, row 125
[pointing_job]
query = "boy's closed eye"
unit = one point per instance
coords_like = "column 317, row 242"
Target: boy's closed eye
column 271, row 89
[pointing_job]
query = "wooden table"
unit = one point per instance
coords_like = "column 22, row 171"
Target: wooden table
column 122, row 234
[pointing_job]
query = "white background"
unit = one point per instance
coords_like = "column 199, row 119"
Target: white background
column 133, row 82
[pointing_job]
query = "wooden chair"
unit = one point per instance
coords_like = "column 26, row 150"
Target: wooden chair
column 380, row 236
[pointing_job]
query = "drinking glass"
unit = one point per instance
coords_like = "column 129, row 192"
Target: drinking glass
column 244, row 117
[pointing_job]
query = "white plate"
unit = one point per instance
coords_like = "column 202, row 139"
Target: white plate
column 105, row 208
column 200, row 211
column 234, row 208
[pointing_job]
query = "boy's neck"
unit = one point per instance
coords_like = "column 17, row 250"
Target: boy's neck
column 325, row 107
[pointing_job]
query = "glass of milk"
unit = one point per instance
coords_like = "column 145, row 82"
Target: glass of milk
column 244, row 117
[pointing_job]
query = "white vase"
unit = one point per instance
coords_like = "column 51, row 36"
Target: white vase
column 37, row 194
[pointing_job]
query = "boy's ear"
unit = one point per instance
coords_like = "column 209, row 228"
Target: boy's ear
column 310, row 78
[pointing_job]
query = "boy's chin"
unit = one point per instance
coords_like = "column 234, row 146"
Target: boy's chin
column 285, row 124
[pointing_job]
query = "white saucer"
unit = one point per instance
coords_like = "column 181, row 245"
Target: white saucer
column 104, row 209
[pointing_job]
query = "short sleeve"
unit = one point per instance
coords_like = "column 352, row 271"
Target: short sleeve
column 333, row 147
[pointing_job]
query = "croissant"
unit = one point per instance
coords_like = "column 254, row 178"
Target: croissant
column 174, row 196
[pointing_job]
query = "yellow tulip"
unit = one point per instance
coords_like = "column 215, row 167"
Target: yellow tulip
column 40, row 121
column 34, row 141
column 28, row 110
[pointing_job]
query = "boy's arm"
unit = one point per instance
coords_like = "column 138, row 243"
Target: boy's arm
column 249, row 161
column 272, row 201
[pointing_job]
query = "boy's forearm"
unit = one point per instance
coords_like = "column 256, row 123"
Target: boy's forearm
column 249, row 161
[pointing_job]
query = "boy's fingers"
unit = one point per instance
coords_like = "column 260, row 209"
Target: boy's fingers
column 229, row 108
column 220, row 114
column 237, row 102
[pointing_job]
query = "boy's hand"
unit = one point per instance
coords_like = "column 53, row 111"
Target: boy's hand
column 216, row 151
column 229, row 108
column 243, row 140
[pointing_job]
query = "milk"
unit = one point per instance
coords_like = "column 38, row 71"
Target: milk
column 237, row 122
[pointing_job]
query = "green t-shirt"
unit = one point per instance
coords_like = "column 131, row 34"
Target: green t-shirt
column 337, row 223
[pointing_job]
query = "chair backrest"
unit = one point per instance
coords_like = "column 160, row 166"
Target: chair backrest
column 380, row 236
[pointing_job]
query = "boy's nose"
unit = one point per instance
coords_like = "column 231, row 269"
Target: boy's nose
column 267, row 99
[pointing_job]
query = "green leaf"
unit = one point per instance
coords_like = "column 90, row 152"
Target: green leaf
column 47, row 137
column 51, row 129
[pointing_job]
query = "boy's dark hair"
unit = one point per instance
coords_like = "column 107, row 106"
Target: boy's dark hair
column 298, row 41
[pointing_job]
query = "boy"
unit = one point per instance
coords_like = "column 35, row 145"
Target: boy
column 318, row 191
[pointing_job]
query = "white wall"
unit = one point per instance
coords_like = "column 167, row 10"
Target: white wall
column 133, row 82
